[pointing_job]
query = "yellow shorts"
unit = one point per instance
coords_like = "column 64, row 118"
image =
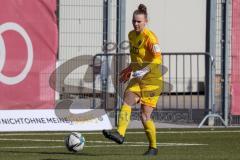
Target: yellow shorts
column 148, row 90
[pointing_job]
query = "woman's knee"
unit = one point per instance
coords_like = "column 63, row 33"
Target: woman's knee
column 130, row 98
column 145, row 116
column 146, row 113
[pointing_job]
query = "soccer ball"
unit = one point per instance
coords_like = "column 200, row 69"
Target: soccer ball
column 74, row 142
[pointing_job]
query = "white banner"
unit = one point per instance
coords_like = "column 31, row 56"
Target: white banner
column 46, row 120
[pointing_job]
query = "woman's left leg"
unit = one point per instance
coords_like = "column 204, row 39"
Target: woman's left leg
column 149, row 125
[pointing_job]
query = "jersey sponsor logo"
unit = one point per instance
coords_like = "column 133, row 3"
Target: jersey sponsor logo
column 156, row 48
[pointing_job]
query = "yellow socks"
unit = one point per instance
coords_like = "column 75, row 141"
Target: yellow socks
column 149, row 126
column 124, row 119
column 151, row 133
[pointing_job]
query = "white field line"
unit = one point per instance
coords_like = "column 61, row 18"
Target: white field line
column 96, row 133
column 101, row 142
column 31, row 140
column 130, row 144
column 30, row 147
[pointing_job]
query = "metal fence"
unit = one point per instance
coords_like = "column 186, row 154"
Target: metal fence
column 183, row 96
column 224, row 60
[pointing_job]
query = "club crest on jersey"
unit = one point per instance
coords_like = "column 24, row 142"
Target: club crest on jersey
column 139, row 42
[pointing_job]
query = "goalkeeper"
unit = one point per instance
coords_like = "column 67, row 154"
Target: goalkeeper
column 146, row 85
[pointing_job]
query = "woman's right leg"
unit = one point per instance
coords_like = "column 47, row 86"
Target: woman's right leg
column 130, row 99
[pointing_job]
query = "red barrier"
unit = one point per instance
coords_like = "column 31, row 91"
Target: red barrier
column 28, row 46
column 235, row 83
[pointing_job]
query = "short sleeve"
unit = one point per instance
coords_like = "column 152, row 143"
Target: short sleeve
column 153, row 45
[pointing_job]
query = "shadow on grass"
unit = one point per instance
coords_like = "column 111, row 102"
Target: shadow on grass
column 66, row 153
column 49, row 153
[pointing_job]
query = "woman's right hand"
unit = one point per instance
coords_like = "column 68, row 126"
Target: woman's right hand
column 125, row 74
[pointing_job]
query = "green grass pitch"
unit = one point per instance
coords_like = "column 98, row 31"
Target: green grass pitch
column 174, row 144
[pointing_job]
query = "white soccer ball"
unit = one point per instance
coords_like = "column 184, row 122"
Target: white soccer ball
column 75, row 142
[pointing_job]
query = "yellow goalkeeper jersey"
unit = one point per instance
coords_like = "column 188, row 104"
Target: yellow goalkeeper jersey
column 145, row 50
